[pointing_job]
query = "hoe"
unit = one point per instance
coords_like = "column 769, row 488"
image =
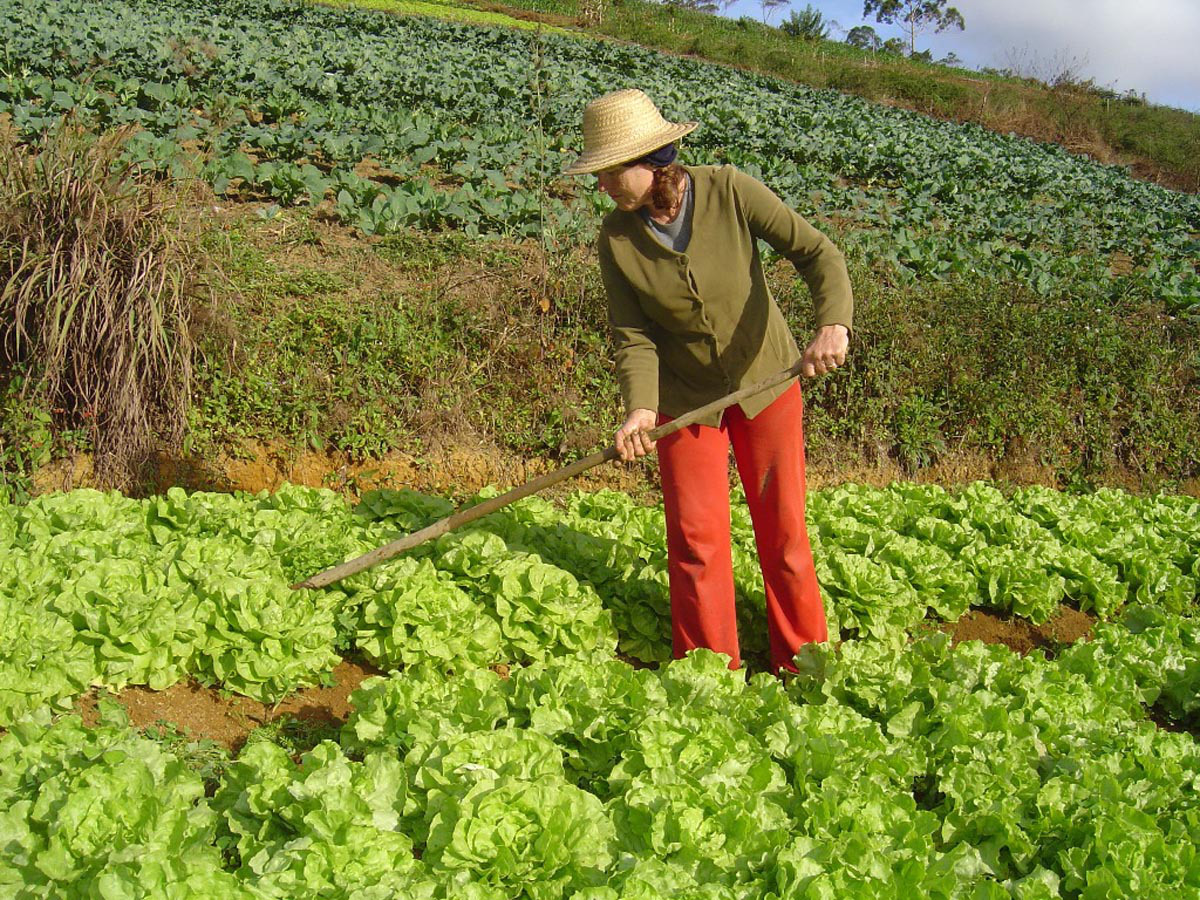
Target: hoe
column 470, row 514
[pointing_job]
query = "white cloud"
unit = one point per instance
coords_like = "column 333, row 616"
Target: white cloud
column 1148, row 47
column 1151, row 47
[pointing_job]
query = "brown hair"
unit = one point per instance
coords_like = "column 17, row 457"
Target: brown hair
column 665, row 193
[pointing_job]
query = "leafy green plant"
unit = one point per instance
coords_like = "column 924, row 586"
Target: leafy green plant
column 918, row 427
column 884, row 764
column 205, row 757
column 103, row 809
column 27, row 440
column 346, row 814
column 808, row 24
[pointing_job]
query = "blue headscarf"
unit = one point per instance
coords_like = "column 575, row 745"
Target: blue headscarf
column 661, row 157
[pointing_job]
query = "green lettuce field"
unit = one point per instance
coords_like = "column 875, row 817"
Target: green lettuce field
column 515, row 751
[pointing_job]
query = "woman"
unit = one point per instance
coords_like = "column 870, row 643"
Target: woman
column 693, row 320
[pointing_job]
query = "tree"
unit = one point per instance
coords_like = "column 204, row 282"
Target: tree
column 705, row 6
column 808, row 25
column 915, row 16
column 864, row 37
column 769, row 7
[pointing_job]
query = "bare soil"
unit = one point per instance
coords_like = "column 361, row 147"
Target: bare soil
column 452, row 471
column 208, row 713
column 1019, row 635
column 461, row 469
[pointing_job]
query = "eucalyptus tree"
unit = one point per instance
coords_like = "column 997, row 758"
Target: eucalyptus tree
column 915, row 16
column 864, row 37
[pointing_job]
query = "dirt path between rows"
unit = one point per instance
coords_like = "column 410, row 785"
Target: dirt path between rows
column 1066, row 627
column 205, row 713
column 209, row 713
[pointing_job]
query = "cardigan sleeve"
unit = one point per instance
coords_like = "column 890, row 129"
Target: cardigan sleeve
column 636, row 352
column 815, row 257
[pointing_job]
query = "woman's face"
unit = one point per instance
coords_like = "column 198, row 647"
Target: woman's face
column 628, row 185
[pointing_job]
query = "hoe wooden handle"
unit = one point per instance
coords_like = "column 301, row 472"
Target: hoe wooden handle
column 471, row 513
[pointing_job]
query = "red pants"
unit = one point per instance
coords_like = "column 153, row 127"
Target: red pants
column 694, row 464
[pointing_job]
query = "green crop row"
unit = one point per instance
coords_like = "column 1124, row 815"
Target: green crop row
column 472, row 125
column 928, row 770
column 892, row 765
column 100, row 589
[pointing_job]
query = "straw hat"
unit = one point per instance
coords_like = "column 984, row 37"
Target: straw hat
column 620, row 127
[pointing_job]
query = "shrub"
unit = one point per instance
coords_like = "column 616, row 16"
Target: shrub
column 98, row 278
column 808, row 24
column 864, row 37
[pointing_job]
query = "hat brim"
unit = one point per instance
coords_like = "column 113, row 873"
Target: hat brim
column 595, row 160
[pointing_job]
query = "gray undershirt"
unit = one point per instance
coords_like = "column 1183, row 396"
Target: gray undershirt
column 676, row 234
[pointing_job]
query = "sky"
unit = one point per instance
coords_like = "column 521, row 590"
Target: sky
column 1150, row 47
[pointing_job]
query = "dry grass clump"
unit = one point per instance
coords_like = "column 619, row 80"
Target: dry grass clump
column 97, row 280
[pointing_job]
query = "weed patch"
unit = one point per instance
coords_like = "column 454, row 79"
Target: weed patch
column 99, row 277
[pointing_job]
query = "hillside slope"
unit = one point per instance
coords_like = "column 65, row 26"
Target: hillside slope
column 1012, row 297
column 1155, row 143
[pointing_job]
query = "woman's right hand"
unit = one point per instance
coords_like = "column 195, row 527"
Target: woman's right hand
column 633, row 438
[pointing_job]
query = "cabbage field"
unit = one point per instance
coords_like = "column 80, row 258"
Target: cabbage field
column 514, row 751
column 281, row 100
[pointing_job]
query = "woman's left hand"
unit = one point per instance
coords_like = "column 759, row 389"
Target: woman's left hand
column 826, row 352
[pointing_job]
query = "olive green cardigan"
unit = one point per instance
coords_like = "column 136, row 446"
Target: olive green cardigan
column 691, row 327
